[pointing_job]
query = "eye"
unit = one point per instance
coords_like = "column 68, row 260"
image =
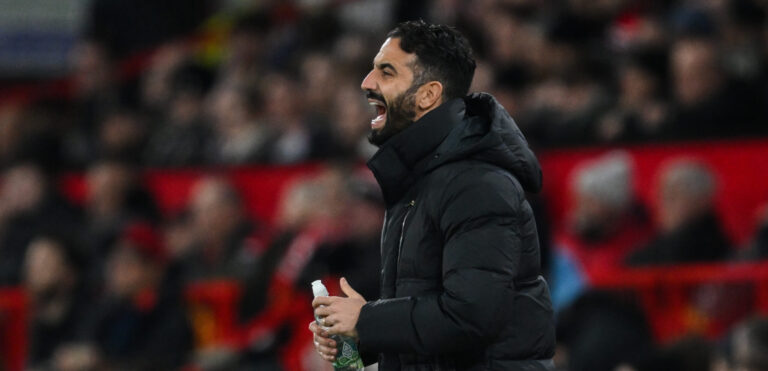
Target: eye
column 386, row 73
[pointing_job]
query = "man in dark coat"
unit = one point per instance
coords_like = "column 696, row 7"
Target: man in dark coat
column 689, row 229
column 460, row 284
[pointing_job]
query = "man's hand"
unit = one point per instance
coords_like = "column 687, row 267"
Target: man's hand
column 324, row 345
column 339, row 315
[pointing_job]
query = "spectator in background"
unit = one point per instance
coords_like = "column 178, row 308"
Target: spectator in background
column 748, row 346
column 641, row 112
column 742, row 38
column 348, row 128
column 307, row 217
column 698, row 84
column 689, row 230
column 31, row 133
column 95, row 92
column 241, row 134
column 141, row 323
column 300, row 137
column 311, row 217
column 226, row 244
column 183, row 135
column 29, row 204
column 115, row 197
column 705, row 97
column 116, row 193
column 607, row 223
column 561, row 110
column 355, row 255
column 268, row 303
column 157, row 83
column 93, row 73
column 121, row 134
column 54, row 282
column 318, row 72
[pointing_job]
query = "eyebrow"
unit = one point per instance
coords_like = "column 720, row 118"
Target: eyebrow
column 386, row 65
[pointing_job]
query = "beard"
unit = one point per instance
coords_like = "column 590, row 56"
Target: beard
column 400, row 115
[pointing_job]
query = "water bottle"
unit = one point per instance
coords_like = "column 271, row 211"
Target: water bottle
column 347, row 356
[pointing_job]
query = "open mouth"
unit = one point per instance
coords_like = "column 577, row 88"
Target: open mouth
column 381, row 113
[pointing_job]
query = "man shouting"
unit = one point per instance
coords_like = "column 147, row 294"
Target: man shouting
column 460, row 284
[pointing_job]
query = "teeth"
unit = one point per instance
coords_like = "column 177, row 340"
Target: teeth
column 381, row 110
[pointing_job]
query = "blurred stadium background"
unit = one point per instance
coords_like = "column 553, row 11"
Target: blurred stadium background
column 175, row 173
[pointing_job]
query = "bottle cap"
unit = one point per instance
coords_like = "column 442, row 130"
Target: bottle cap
column 318, row 289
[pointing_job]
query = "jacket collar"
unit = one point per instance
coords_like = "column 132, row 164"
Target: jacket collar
column 400, row 161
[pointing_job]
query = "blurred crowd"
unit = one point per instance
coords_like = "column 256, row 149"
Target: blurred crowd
column 107, row 281
column 277, row 82
column 230, row 83
column 609, row 229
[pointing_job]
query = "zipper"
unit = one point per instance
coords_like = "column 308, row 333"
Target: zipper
column 408, row 208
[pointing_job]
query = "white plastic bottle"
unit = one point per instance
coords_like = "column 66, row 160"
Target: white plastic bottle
column 347, row 356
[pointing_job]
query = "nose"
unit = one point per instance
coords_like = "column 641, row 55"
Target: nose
column 368, row 82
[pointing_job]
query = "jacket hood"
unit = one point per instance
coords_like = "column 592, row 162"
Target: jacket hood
column 475, row 127
column 486, row 132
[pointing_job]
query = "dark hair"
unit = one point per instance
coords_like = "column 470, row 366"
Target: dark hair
column 442, row 54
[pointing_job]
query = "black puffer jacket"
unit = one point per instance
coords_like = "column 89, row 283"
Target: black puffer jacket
column 460, row 284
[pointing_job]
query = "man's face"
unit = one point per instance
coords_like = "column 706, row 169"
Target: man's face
column 389, row 87
column 128, row 272
column 45, row 267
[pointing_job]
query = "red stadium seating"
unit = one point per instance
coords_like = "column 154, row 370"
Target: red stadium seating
column 13, row 329
column 703, row 298
column 740, row 166
column 212, row 307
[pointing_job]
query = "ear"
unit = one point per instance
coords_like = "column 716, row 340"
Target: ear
column 430, row 96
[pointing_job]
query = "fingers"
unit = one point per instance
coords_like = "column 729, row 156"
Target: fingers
column 323, row 311
column 327, row 357
column 348, row 290
column 324, row 346
column 324, row 341
column 328, row 353
column 330, row 320
column 326, row 350
column 314, row 327
column 320, row 332
column 329, row 325
column 323, row 300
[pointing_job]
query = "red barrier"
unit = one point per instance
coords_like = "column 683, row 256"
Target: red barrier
column 702, row 298
column 260, row 186
column 13, row 329
column 740, row 167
